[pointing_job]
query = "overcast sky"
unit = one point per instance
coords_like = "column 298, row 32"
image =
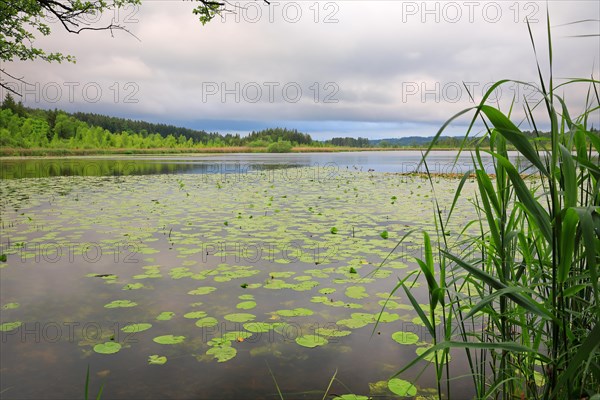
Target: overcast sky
column 331, row 68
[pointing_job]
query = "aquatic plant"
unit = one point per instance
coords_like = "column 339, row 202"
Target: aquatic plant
column 521, row 296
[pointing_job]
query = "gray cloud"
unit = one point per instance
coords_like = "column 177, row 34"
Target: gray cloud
column 385, row 68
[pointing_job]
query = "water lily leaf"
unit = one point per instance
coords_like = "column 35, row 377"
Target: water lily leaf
column 246, row 305
column 319, row 299
column 195, row 314
column 296, row 312
column 246, row 297
column 202, row 290
column 356, row 292
column 157, row 360
column 405, row 337
column 390, row 304
column 240, row 317
column 332, row 332
column 180, row 272
column 169, row 339
column 304, row 286
column 107, row 348
column 431, row 357
column 222, row 354
column 386, row 317
column 165, row 316
column 282, row 274
column 369, row 318
column 402, row 388
column 384, row 234
column 207, row 322
column 120, row 304
column 219, row 341
column 351, row 397
column 133, row 286
column 236, row 336
column 134, row 328
column 258, row 327
column 10, row 306
column 9, row 326
column 352, row 323
column 311, row 341
column 327, row 290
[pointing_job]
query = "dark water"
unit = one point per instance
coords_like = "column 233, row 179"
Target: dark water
column 128, row 216
column 379, row 161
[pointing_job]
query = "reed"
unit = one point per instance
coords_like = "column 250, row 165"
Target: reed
column 520, row 296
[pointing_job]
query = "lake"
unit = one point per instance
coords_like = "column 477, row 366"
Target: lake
column 216, row 276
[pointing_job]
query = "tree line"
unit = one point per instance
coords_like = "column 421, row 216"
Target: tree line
column 22, row 127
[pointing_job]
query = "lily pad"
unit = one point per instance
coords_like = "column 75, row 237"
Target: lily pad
column 134, row 328
column 157, row 360
column 246, row 305
column 222, row 354
column 240, row 317
column 195, row 315
column 10, row 306
column 351, row 397
column 405, row 337
column 133, row 286
column 402, row 388
column 311, row 341
column 258, row 327
column 387, row 317
column 107, row 348
column 120, row 304
column 206, row 322
column 352, row 323
column 9, row 326
column 169, row 339
column 296, row 312
column 165, row 316
column 356, row 292
column 332, row 332
column 237, row 336
column 202, row 290
column 327, row 290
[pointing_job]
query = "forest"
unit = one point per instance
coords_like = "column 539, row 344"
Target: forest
column 27, row 128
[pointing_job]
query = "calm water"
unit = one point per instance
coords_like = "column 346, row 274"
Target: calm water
column 209, row 238
column 378, row 161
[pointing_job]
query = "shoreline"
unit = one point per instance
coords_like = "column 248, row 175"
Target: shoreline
column 17, row 153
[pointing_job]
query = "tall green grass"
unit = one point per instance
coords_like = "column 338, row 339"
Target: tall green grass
column 520, row 296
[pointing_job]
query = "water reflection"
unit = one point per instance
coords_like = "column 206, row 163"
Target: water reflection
column 228, row 164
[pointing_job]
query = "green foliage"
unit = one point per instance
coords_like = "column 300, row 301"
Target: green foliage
column 28, row 128
column 529, row 274
column 272, row 135
column 280, row 147
column 402, row 388
column 169, row 339
column 107, row 348
column 157, row 360
column 349, row 142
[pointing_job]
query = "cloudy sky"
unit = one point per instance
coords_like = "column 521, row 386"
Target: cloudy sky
column 330, row 68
